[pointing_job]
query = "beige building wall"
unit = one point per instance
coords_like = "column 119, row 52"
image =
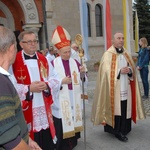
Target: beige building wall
column 67, row 14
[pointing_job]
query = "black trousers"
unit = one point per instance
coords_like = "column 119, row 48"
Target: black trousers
column 64, row 144
column 122, row 124
column 44, row 139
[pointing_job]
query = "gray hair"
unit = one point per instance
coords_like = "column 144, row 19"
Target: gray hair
column 22, row 34
column 7, row 38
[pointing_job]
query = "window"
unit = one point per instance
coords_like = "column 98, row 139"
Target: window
column 89, row 20
column 98, row 17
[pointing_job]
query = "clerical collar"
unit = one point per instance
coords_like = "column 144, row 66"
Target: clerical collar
column 119, row 50
column 26, row 56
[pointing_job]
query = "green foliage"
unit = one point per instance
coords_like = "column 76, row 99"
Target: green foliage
column 143, row 10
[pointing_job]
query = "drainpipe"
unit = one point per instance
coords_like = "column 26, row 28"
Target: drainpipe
column 45, row 23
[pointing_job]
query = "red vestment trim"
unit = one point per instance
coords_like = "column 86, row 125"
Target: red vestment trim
column 22, row 76
column 133, row 89
column 132, row 83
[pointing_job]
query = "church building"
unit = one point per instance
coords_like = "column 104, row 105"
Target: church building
column 43, row 16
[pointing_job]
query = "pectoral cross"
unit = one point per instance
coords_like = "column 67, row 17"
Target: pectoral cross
column 22, row 78
column 75, row 77
column 43, row 70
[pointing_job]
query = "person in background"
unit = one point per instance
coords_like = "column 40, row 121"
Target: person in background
column 32, row 69
column 142, row 65
column 56, row 54
column 50, row 54
column 67, row 108
column 96, row 66
column 117, row 97
column 75, row 47
column 13, row 129
column 39, row 51
column 44, row 52
column 75, row 52
column 75, row 55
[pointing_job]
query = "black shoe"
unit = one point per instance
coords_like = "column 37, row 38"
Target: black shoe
column 121, row 137
column 144, row 97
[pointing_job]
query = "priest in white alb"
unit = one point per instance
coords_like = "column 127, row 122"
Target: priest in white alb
column 67, row 106
column 33, row 70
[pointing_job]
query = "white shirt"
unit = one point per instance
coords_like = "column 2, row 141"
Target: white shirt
column 123, row 78
column 50, row 57
column 75, row 55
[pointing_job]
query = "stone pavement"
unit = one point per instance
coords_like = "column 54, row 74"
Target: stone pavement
column 97, row 139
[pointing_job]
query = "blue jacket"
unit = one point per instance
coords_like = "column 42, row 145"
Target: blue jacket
column 143, row 58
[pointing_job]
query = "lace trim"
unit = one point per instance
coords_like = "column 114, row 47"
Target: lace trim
column 54, row 84
column 39, row 119
column 22, row 90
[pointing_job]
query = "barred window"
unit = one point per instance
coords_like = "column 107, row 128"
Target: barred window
column 98, row 17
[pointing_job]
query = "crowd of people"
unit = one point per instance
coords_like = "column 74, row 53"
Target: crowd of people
column 49, row 89
column 40, row 94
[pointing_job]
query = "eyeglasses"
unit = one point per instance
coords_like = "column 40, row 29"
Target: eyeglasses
column 30, row 42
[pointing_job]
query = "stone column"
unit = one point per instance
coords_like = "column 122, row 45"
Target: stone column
column 49, row 15
column 49, row 8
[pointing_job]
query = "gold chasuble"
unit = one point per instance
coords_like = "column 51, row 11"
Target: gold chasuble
column 107, row 101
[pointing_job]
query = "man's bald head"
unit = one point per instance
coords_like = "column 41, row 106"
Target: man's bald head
column 118, row 34
column 118, row 40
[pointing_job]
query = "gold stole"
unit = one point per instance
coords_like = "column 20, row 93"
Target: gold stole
column 70, row 124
